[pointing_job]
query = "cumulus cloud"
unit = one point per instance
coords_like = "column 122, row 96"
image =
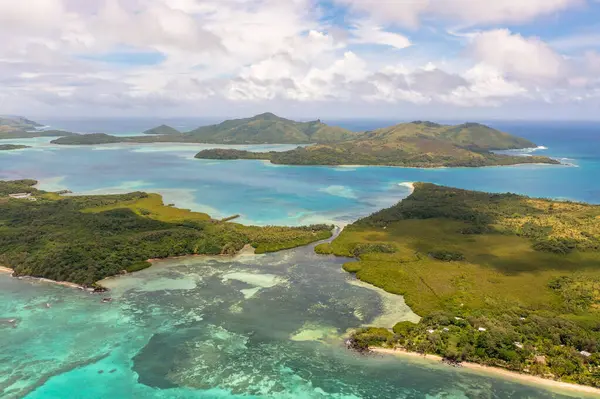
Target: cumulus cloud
column 517, row 56
column 60, row 53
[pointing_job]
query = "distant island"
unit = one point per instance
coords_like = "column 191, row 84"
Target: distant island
column 17, row 127
column 8, row 147
column 18, row 122
column 417, row 144
column 83, row 239
column 265, row 128
column 162, row 130
column 499, row 279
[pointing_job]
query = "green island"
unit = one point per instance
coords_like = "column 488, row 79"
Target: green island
column 265, row 128
column 8, row 147
column 162, row 130
column 417, row 144
column 83, row 239
column 498, row 279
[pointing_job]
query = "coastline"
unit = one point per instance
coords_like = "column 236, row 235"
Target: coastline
column 271, row 163
column 495, row 371
column 8, row 270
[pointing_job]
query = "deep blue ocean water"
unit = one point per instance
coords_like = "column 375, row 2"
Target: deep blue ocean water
column 255, row 326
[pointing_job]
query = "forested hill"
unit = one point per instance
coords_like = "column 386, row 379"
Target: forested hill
column 416, row 144
column 162, row 129
column 83, row 239
column 269, row 128
column 473, row 136
column 499, row 279
column 261, row 129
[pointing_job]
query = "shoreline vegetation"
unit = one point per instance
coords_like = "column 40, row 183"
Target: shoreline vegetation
column 84, row 239
column 527, row 378
column 500, row 280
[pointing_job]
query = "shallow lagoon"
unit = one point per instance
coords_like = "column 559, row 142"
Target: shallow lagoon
column 185, row 329
column 255, row 326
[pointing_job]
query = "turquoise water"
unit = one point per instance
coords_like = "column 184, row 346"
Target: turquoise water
column 254, row 326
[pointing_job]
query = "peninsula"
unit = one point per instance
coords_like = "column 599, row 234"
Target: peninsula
column 83, row 239
column 499, row 279
column 18, row 122
column 17, row 127
column 417, row 144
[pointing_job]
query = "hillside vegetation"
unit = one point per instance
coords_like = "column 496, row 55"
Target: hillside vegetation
column 261, row 129
column 269, row 128
column 83, row 239
column 416, row 144
column 499, row 279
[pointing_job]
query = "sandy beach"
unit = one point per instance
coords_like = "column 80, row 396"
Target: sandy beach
column 495, row 371
column 6, row 270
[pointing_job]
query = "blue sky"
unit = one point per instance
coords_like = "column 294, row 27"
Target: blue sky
column 435, row 59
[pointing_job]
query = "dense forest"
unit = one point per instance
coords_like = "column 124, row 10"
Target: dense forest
column 499, row 279
column 83, row 239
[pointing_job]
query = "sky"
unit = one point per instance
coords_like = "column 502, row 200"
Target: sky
column 356, row 59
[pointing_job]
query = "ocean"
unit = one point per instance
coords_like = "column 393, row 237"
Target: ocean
column 267, row 326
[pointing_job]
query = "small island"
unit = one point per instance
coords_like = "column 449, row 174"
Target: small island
column 499, row 279
column 417, row 144
column 162, row 130
column 84, row 239
column 9, row 147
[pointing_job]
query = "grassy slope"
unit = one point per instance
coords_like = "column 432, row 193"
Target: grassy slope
column 417, row 144
column 501, row 278
column 83, row 239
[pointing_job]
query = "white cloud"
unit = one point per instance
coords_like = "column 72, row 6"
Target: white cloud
column 367, row 33
column 256, row 51
column 517, row 56
column 486, row 87
column 472, row 12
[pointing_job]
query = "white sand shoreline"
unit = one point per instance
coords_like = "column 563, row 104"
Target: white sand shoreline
column 527, row 378
column 8, row 270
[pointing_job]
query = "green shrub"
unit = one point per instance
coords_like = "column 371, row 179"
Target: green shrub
column 447, row 256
